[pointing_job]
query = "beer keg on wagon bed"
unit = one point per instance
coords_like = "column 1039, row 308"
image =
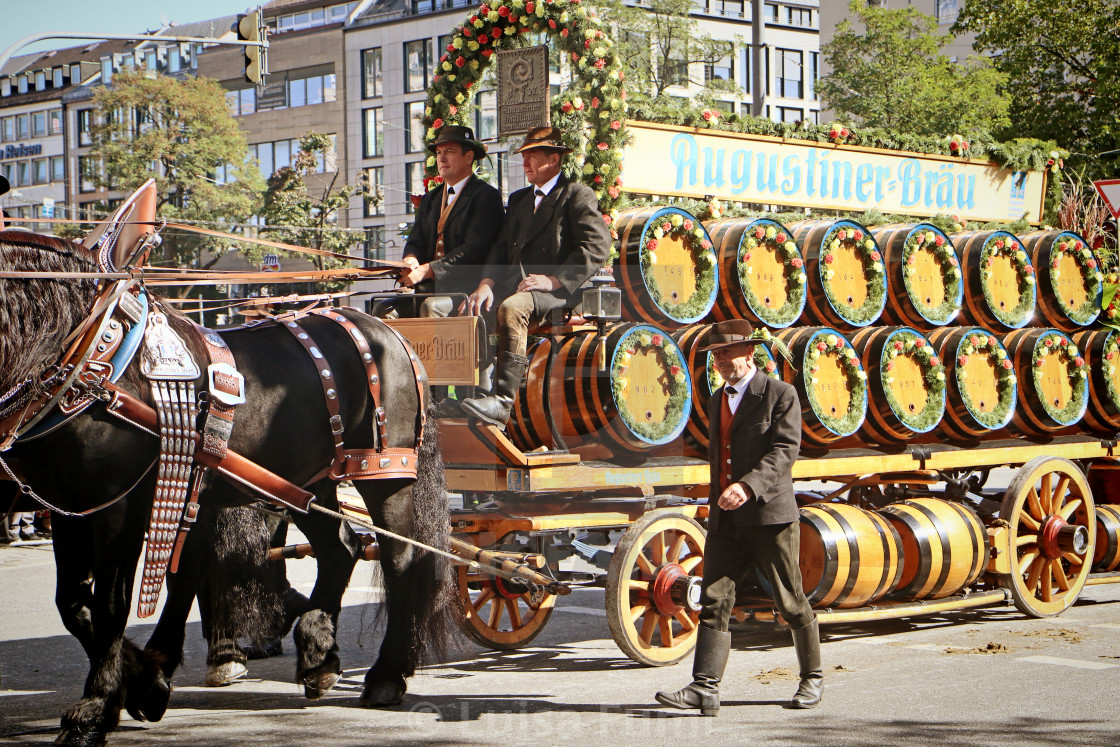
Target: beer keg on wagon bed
column 847, row 280
column 762, row 273
column 924, row 271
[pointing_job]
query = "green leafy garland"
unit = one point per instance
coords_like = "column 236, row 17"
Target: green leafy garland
column 1056, row 343
column 909, row 344
column 676, row 381
column 933, row 240
column 834, row 344
column 773, row 236
column 1110, row 301
column 1072, row 244
column 763, row 361
column 591, row 114
column 848, row 233
column 983, row 344
column 1108, row 367
column 1001, row 243
column 683, row 227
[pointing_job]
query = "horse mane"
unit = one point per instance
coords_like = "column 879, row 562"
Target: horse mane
column 36, row 315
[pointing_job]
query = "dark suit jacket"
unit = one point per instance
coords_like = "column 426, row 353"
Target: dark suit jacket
column 475, row 221
column 566, row 238
column 765, row 438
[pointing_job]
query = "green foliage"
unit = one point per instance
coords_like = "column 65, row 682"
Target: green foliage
column 1062, row 62
column 893, row 75
column 180, row 133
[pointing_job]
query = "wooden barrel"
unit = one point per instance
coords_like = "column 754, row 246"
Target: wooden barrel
column 944, row 547
column 705, row 380
column 847, row 280
column 907, row 383
column 849, row 556
column 830, row 382
column 981, row 379
column 762, row 273
column 1101, row 349
column 642, row 400
column 924, row 273
column 1053, row 380
column 1103, row 476
column 1107, row 554
column 1070, row 282
column 999, row 288
column 667, row 269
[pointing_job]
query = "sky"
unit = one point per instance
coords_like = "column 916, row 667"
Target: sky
column 19, row 18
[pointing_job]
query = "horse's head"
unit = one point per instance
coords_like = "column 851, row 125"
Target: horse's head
column 37, row 314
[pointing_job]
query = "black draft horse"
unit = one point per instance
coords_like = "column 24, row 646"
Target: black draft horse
column 97, row 460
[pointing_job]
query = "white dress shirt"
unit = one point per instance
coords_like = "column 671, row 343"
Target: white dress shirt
column 456, row 190
column 739, row 386
column 545, row 189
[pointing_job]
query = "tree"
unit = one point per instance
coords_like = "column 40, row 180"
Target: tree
column 1062, row 62
column 659, row 45
column 894, row 76
column 180, row 133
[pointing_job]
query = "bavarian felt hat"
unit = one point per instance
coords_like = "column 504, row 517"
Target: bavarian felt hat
column 731, row 332
column 549, row 138
column 461, row 135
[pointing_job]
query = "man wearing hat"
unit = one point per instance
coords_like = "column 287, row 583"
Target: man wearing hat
column 455, row 226
column 755, row 436
column 554, row 239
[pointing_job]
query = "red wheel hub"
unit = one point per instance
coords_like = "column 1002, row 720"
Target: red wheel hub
column 508, row 589
column 672, row 589
column 1057, row 537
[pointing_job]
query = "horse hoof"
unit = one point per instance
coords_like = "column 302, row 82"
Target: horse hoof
column 382, row 694
column 220, row 675
column 152, row 704
column 77, row 738
column 317, row 682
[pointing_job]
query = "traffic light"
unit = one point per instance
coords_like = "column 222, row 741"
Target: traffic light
column 250, row 27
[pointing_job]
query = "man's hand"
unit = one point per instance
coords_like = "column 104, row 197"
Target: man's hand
column 419, row 272
column 544, row 283
column 480, row 301
column 411, row 261
column 734, row 496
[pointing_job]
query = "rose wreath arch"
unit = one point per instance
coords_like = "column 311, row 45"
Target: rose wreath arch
column 591, row 112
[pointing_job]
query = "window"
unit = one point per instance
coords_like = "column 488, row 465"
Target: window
column 174, row 61
column 54, row 121
column 418, row 63
column 276, row 155
column 39, row 171
column 791, row 114
column 789, row 73
column 316, row 89
column 38, row 124
column 85, row 119
column 58, row 77
column 7, row 129
column 730, row 8
column 947, row 10
column 676, row 73
column 414, row 182
column 486, row 115
column 746, row 67
column 799, row 16
column 151, row 60
column 23, row 84
column 375, row 177
column 297, row 92
column 371, row 73
column 372, row 133
column 106, row 70
column 41, row 81
column 58, row 169
column 242, row 101
column 22, row 126
column 76, row 75
column 374, row 247
column 813, row 76
column 282, row 151
column 770, row 14
column 722, row 70
column 423, row 6
column 87, row 168
column 414, row 127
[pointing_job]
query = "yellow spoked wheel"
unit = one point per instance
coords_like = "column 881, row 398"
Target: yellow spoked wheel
column 501, row 614
column 1049, row 509
column 653, row 588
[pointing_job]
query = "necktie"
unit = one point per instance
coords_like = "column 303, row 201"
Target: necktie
column 730, row 391
column 537, row 201
column 450, row 195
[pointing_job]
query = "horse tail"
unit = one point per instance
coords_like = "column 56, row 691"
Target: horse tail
column 438, row 612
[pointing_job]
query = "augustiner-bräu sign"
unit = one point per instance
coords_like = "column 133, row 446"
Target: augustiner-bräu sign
column 686, row 162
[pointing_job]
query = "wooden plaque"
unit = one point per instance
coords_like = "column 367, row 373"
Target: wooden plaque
column 523, row 94
column 448, row 348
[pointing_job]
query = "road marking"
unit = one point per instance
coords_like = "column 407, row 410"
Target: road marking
column 1109, row 626
column 926, row 646
column 1075, row 663
column 583, row 611
column 4, row 693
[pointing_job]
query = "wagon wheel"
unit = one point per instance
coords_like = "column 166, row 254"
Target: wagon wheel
column 501, row 614
column 1049, row 509
column 653, row 588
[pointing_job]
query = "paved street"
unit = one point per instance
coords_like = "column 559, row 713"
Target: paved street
column 977, row 678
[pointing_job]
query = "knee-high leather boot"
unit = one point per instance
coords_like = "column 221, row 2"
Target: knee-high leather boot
column 712, row 649
column 495, row 408
column 807, row 642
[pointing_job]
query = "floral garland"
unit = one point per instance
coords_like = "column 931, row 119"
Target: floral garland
column 679, row 226
column 772, row 236
column 594, row 107
column 676, row 381
column 1056, row 343
column 1110, row 300
column 1108, row 367
column 830, row 343
column 763, row 361
column 838, row 133
column 1004, row 244
column 843, row 233
column 958, row 146
column 983, row 344
column 905, row 343
column 934, row 241
column 1070, row 244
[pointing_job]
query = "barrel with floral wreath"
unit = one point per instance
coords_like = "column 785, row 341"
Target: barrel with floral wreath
column 762, row 273
column 830, row 382
column 1053, row 380
column 1101, row 350
column 924, row 272
column 1070, row 281
column 847, row 280
column 705, row 380
column 642, row 400
column 982, row 382
column 907, row 381
column 667, row 268
column 1000, row 288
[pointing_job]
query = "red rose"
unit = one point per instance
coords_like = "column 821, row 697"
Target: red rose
column 1092, row 264
column 450, row 47
column 953, row 261
column 706, row 244
column 759, row 233
column 564, row 33
column 974, row 340
column 898, row 346
column 651, row 245
column 551, row 23
column 1049, row 342
column 483, row 39
column 687, row 225
column 598, row 179
column 600, row 64
column 839, row 344
column 674, row 370
column 530, row 7
column 1054, row 264
column 920, row 343
column 940, row 241
column 1038, row 363
column 962, row 360
column 666, row 227
column 890, row 365
column 615, row 125
column 875, row 256
column 934, row 360
column 796, row 262
column 829, row 259
column 503, row 11
column 587, row 44
column 1077, row 245
column 1062, row 247
column 999, row 243
column 842, row 234
column 1064, row 342
column 747, row 257
column 821, row 347
column 487, row 52
column 467, row 85
column 459, row 61
column 843, row 132
column 1014, row 246
column 566, row 106
column 770, row 366
column 1109, row 356
column 991, row 340
column 1006, row 364
column 780, row 238
column 437, row 124
column 1028, row 269
column 1079, row 361
column 858, row 235
column 602, row 146
column 594, row 102
column 658, row 339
